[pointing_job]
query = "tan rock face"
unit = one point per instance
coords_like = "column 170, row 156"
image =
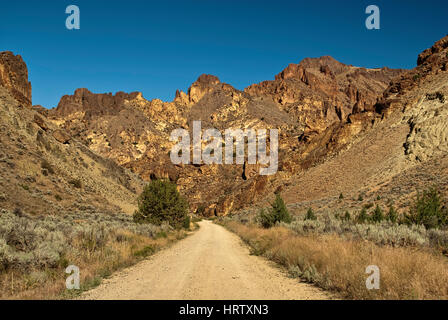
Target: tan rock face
column 14, row 77
column 304, row 101
column 321, row 107
column 61, row 136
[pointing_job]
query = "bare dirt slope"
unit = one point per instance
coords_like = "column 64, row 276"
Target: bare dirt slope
column 211, row 264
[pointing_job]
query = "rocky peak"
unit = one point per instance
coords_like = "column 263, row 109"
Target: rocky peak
column 203, row 85
column 207, row 80
column 84, row 100
column 14, row 77
column 431, row 55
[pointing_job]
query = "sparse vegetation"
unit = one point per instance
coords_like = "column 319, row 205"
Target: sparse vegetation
column 159, row 203
column 428, row 210
column 266, row 219
column 333, row 250
column 34, row 251
column 338, row 264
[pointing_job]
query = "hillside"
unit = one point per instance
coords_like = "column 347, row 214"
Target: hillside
column 392, row 152
column 46, row 171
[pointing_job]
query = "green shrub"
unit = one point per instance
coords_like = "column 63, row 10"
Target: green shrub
column 377, row 214
column 160, row 202
column 47, row 166
column 310, row 215
column 278, row 213
column 363, row 216
column 94, row 238
column 428, row 210
column 360, row 197
column 347, row 216
column 30, row 243
column 146, row 251
column 392, row 215
column 341, row 196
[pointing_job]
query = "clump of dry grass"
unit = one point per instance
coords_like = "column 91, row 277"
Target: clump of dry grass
column 339, row 265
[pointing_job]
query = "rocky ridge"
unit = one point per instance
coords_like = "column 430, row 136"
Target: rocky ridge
column 327, row 113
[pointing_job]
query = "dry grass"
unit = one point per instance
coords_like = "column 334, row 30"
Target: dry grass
column 122, row 248
column 339, row 265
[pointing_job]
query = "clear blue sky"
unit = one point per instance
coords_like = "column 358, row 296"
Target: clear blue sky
column 157, row 47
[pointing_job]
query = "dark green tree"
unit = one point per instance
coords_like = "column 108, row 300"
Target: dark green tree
column 347, row 216
column 161, row 202
column 428, row 210
column 278, row 213
column 377, row 215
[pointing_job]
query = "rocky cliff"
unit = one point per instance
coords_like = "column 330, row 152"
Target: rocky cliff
column 328, row 115
column 46, row 170
column 14, row 77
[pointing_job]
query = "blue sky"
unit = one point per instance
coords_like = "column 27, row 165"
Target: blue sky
column 157, row 47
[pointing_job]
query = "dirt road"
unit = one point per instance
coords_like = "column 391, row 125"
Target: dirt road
column 214, row 264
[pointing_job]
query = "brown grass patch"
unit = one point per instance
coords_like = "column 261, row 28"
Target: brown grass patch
column 339, row 265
